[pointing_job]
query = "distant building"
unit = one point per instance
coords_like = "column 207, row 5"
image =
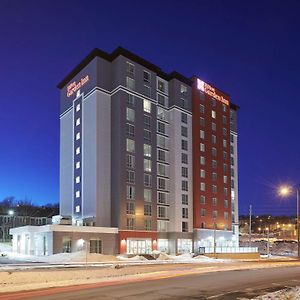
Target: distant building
column 151, row 155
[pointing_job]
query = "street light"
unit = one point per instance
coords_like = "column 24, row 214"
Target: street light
column 285, row 191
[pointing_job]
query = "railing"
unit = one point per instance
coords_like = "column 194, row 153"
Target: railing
column 230, row 249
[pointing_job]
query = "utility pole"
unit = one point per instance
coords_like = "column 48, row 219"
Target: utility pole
column 250, row 224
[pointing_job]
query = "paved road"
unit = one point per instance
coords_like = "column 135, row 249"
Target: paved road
column 217, row 285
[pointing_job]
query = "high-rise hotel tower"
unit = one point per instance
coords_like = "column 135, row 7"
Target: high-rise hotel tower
column 149, row 153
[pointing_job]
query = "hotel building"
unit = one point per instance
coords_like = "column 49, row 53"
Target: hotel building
column 148, row 159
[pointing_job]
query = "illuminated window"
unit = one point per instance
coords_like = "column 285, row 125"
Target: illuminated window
column 77, row 150
column 202, row 186
column 213, row 114
column 202, row 160
column 78, row 107
column 77, row 179
column 78, row 136
column 77, row 209
column 130, row 114
column 213, row 139
column 147, row 106
column 147, row 195
column 161, row 85
column 183, row 90
column 201, row 134
column 202, row 147
column 78, row 165
column 147, row 150
column 202, row 173
column 78, row 122
column 77, row 194
column 147, row 165
column 130, row 145
column 130, row 83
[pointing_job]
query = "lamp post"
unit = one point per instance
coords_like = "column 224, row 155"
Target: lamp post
column 286, row 191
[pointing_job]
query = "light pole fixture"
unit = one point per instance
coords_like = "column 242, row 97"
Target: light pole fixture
column 285, row 191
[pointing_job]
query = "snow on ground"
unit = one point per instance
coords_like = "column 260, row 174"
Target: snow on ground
column 187, row 257
column 5, row 247
column 286, row 294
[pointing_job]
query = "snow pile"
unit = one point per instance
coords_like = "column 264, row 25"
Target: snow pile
column 286, row 294
column 187, row 257
column 134, row 258
column 5, row 247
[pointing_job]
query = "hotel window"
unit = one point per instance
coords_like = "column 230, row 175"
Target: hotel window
column 225, row 179
column 130, row 100
column 162, row 114
column 161, row 183
column 214, row 152
column 162, row 142
column 215, row 214
column 202, row 212
column 184, row 131
column 202, row 122
column 161, row 100
column 78, row 165
column 147, row 195
column 78, row 136
column 213, row 114
column 147, row 150
column 130, row 83
column 130, row 223
column 224, row 107
column 232, row 172
column 231, row 150
column 77, row 150
column 213, row 139
column 184, row 145
column 225, row 191
column 77, row 194
column 184, row 185
column 214, row 176
column 78, row 107
column 147, row 135
column 161, row 170
column 224, row 131
column 130, row 145
column 162, row 198
column 202, row 147
column 147, row 209
column 202, row 199
column 214, row 201
column 147, row 91
column 162, row 226
column 147, row 180
column 232, row 161
column 148, row 224
column 202, row 160
column 201, row 134
column 214, row 164
column 184, row 199
column 78, row 122
column 130, row 161
column 202, row 173
column 185, row 227
column 202, row 186
column 226, row 203
column 224, row 119
column 183, row 90
column 185, row 213
column 147, row 122
column 161, row 155
column 130, row 176
column 225, row 155
column 231, row 138
column 226, row 215
column 77, row 179
column 77, row 208
column 130, row 68
column 162, row 212
column 183, row 103
column 184, row 118
column 147, row 106
column 147, row 76
column 147, row 165
column 225, row 168
column 213, row 126
column 232, row 183
column 202, row 108
column 130, row 208
column 129, row 130
column 184, row 158
column 161, row 127
column 130, row 192
column 214, row 189
column 161, row 85
column 130, row 114
column 224, row 143
column 213, row 102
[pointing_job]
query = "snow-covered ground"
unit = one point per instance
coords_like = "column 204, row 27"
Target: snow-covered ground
column 286, row 294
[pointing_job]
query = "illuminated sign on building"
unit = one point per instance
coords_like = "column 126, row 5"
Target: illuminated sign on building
column 211, row 91
column 74, row 86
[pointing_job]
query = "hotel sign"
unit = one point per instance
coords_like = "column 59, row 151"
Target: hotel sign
column 211, row 91
column 75, row 86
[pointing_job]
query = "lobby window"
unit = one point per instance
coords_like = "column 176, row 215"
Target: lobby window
column 130, row 176
column 184, row 131
column 78, row 136
column 184, row 158
column 130, row 83
column 130, row 161
column 147, row 209
column 184, row 118
column 202, row 173
column 184, row 185
column 147, row 150
column 184, row 199
column 202, row 160
column 147, row 165
column 77, row 121
column 147, row 106
column 202, row 199
column 130, row 223
column 201, row 134
column 130, row 192
column 147, row 76
column 213, row 114
column 130, row 114
column 147, row 195
column 130, row 145
column 130, row 208
column 130, row 68
column 95, row 246
column 148, row 224
column 185, row 213
column 129, row 130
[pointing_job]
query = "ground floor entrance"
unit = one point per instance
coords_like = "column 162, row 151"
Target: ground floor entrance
column 137, row 246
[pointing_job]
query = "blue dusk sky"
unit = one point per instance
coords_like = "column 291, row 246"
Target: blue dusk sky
column 249, row 49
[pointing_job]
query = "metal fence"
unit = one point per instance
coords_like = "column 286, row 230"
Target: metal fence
column 230, row 249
